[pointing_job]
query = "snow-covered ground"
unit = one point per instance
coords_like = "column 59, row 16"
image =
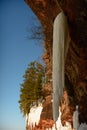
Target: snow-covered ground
column 34, row 117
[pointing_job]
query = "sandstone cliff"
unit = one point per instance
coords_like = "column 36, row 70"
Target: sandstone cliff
column 76, row 61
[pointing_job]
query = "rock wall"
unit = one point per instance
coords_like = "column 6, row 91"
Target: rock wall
column 76, row 60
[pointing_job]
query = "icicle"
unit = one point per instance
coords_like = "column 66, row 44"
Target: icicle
column 60, row 47
column 75, row 119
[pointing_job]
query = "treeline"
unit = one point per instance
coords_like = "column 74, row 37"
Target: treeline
column 31, row 88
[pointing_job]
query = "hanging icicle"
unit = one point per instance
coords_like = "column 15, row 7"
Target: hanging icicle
column 60, row 47
column 75, row 119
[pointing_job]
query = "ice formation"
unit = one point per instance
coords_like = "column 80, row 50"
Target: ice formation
column 75, row 119
column 34, row 118
column 34, row 115
column 59, row 125
column 60, row 47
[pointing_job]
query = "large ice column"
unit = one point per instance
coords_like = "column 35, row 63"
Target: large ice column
column 60, row 47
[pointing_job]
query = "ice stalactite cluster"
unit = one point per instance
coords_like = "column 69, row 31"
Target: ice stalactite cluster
column 76, row 126
column 33, row 117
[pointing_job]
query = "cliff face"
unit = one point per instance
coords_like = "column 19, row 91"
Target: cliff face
column 76, row 61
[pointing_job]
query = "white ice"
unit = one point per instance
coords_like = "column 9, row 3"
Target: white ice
column 34, row 115
column 76, row 119
column 34, row 118
column 60, row 48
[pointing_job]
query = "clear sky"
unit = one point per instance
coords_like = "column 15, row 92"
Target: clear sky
column 16, row 52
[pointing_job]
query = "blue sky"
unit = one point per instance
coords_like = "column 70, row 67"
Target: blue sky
column 16, row 52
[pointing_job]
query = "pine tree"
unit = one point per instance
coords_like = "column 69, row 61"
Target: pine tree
column 31, row 88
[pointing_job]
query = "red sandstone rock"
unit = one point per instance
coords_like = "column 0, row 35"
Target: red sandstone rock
column 66, row 109
column 44, row 124
column 76, row 61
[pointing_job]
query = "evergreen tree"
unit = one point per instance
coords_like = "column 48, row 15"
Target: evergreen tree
column 31, row 88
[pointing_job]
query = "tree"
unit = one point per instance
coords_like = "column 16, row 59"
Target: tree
column 31, row 88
